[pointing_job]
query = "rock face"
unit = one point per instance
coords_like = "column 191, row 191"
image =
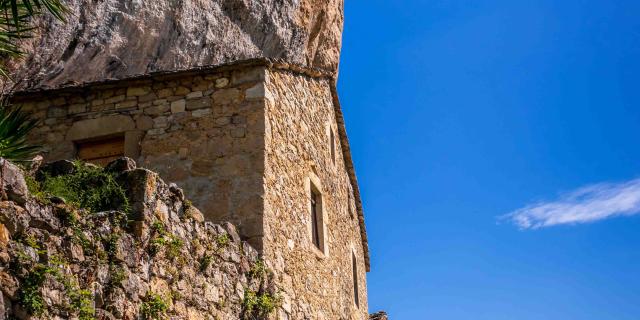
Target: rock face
column 155, row 260
column 120, row 38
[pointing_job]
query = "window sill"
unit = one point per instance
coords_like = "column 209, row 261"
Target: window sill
column 318, row 253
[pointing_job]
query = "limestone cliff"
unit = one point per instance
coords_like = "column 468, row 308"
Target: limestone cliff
column 136, row 249
column 114, row 39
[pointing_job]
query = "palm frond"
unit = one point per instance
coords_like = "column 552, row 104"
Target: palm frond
column 16, row 23
column 15, row 126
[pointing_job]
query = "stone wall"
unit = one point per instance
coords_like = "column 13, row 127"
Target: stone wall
column 246, row 143
column 316, row 284
column 158, row 261
column 203, row 131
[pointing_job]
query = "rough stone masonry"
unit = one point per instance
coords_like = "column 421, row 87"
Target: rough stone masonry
column 247, row 142
column 158, row 260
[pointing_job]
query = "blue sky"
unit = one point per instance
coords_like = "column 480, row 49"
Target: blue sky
column 497, row 149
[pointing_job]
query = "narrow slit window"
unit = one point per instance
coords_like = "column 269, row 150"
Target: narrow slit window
column 350, row 205
column 101, row 151
column 316, row 208
column 315, row 233
column 356, row 297
column 316, row 213
column 332, row 144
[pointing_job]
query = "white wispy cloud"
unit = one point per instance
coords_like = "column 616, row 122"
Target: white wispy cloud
column 587, row 204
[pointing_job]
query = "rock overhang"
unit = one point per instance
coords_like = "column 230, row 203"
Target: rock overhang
column 118, row 39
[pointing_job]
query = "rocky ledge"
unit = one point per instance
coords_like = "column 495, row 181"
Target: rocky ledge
column 82, row 242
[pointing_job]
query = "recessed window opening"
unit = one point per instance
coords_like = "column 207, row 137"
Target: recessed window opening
column 354, row 262
column 332, row 144
column 101, row 151
column 316, row 214
column 350, row 205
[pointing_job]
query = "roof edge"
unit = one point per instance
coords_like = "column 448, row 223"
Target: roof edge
column 346, row 153
column 256, row 62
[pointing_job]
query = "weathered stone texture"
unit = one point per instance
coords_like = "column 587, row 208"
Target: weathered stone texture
column 102, row 264
column 244, row 144
column 115, row 39
column 203, row 134
column 320, row 286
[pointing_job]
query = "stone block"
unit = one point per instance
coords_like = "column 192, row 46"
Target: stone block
column 155, row 132
column 44, row 104
column 157, row 110
column 195, row 94
column 222, row 82
column 50, row 121
column 248, row 75
column 222, row 121
column 238, row 132
column 161, row 122
column 148, row 97
column 178, row 106
column 137, row 91
column 13, row 217
column 158, row 102
column 200, row 113
column 77, row 108
column 12, row 182
column 199, row 103
column 59, row 101
column 144, row 123
column 56, row 112
column 115, row 99
column 127, row 104
column 166, row 92
column 255, row 92
column 182, row 91
column 99, row 127
column 226, row 96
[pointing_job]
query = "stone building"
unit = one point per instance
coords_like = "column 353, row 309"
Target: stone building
column 254, row 137
column 257, row 143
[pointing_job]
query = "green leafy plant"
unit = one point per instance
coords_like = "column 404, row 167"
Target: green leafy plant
column 16, row 23
column 29, row 294
column 88, row 187
column 174, row 246
column 82, row 303
column 111, row 245
column 223, row 240
column 205, row 262
column 258, row 270
column 154, row 307
column 15, row 125
column 34, row 188
column 164, row 239
column 117, row 275
column 258, row 305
